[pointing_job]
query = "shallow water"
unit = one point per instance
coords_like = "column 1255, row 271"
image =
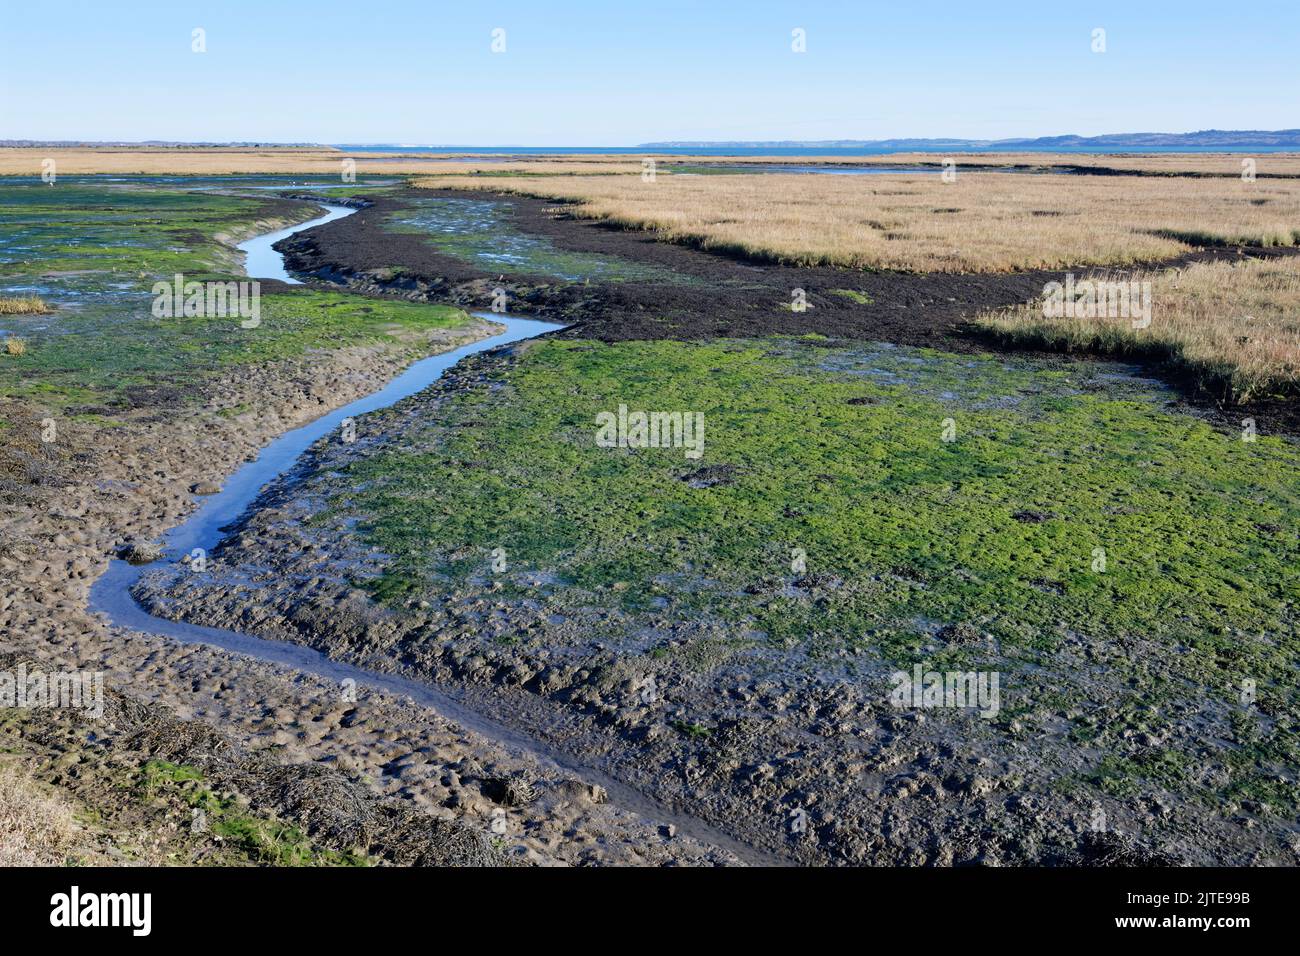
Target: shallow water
column 111, row 593
column 202, row 528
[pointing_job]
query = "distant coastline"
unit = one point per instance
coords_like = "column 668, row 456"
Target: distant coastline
column 1203, row 141
column 1210, row 140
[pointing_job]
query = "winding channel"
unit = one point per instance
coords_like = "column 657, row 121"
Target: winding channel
column 111, row 594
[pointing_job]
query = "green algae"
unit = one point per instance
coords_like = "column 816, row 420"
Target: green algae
column 1127, row 566
column 244, row 837
column 94, row 247
column 841, row 453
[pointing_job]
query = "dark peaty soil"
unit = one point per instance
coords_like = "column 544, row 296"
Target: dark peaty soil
column 726, row 296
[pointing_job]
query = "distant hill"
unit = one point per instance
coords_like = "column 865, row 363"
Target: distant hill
column 1203, row 139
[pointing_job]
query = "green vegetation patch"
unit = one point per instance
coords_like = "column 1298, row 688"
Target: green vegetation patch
column 1068, row 498
column 247, row 837
column 93, row 250
column 867, row 506
column 95, row 356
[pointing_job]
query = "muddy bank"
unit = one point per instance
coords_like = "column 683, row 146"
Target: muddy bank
column 722, row 296
column 339, row 813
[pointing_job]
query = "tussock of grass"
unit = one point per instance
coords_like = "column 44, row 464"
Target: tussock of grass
column 15, row 346
column 38, row 829
column 1001, row 222
column 1234, row 326
column 23, row 305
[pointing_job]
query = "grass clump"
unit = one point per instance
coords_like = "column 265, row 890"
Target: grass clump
column 23, row 305
column 39, row 828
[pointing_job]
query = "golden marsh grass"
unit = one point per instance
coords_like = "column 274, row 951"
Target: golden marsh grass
column 1235, row 325
column 982, row 222
column 23, row 305
column 322, row 160
column 319, row 161
column 1163, row 164
column 38, row 825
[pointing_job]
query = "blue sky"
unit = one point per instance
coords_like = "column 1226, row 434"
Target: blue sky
column 620, row 73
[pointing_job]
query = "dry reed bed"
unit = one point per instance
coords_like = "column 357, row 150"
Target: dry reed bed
column 25, row 161
column 535, row 167
column 1233, row 326
column 1165, row 164
column 982, row 222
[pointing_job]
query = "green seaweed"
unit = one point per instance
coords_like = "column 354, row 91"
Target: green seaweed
column 94, row 248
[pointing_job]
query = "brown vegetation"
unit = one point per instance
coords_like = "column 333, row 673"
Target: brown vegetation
column 1161, row 164
column 36, row 823
column 981, row 222
column 23, row 305
column 1234, row 326
column 320, row 161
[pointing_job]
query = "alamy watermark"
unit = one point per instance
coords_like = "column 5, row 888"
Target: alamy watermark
column 626, row 429
column 932, row 689
column 1098, row 299
column 79, row 690
column 209, row 300
column 75, row 908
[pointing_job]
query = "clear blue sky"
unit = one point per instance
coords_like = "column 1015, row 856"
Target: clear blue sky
column 619, row 73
